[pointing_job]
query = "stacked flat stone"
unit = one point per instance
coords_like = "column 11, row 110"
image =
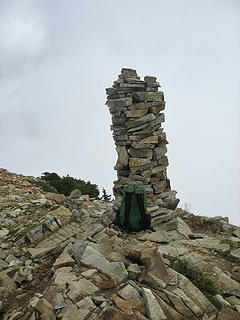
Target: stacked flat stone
column 136, row 108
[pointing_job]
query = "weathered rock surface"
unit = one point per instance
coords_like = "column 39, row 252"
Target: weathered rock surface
column 81, row 288
column 64, row 260
column 45, row 310
column 82, row 269
column 235, row 254
column 135, row 107
column 156, row 271
column 158, row 237
column 228, row 314
column 155, row 312
column 94, row 259
column 64, row 276
column 62, row 211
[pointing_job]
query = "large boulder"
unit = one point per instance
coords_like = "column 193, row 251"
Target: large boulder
column 75, row 194
column 157, row 274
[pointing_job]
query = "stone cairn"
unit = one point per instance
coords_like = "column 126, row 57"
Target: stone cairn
column 136, row 108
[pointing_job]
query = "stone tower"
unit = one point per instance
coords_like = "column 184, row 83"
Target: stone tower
column 136, row 108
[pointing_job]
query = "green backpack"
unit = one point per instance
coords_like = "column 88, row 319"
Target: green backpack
column 132, row 215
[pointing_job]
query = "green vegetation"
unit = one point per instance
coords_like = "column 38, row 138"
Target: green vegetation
column 105, row 196
column 198, row 278
column 65, row 185
column 213, row 300
column 44, row 185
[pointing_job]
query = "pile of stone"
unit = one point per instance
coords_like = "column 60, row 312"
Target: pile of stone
column 136, row 108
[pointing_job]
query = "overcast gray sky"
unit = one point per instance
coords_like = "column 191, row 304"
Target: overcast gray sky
column 57, row 57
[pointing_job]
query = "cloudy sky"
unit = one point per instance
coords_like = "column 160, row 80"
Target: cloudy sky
column 57, row 57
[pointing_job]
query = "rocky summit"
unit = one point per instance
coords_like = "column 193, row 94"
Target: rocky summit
column 59, row 259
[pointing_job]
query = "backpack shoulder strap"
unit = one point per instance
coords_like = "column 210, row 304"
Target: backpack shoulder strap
column 127, row 208
column 145, row 218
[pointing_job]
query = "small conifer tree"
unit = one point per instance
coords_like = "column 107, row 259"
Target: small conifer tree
column 105, row 196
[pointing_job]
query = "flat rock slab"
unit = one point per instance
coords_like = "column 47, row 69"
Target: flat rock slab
column 64, row 260
column 89, row 273
column 137, row 113
column 158, row 236
column 235, row 254
column 223, row 247
column 112, row 313
column 154, row 310
column 3, row 264
column 119, row 102
column 135, row 162
column 6, row 282
column 161, row 218
column 139, row 121
column 178, row 304
column 38, row 252
column 149, row 96
column 129, row 293
column 156, row 268
column 61, row 212
column 58, row 237
column 236, row 276
column 207, row 242
column 236, row 233
column 151, row 139
column 191, row 291
column 122, row 157
column 234, row 292
column 224, row 281
column 228, row 314
column 168, row 310
column 94, row 259
column 160, row 152
column 45, row 309
column 161, row 212
column 183, row 228
column 2, row 254
column 63, row 278
column 141, row 153
column 127, row 306
column 168, row 251
column 79, row 314
column 78, row 248
column 86, row 303
column 81, row 288
column 190, row 304
column 195, row 257
column 3, row 233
